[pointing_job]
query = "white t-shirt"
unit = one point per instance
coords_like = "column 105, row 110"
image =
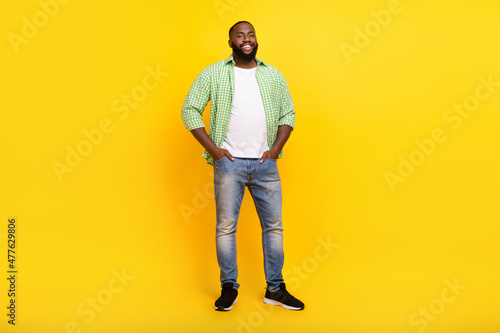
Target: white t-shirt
column 247, row 133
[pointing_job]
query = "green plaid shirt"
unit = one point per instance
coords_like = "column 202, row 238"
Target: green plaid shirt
column 216, row 84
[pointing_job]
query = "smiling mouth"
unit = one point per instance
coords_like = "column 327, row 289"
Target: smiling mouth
column 247, row 47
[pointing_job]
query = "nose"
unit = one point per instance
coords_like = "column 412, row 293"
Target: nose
column 246, row 38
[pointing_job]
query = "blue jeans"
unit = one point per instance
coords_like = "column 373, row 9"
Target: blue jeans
column 263, row 182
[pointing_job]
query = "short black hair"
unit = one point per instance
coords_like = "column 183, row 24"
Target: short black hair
column 232, row 28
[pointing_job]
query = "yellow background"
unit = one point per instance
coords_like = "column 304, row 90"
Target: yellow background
column 141, row 201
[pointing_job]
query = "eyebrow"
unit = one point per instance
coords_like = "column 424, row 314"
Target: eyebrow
column 242, row 32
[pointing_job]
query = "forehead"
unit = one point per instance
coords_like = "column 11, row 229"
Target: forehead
column 243, row 27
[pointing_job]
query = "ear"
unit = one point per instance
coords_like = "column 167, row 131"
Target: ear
column 229, row 43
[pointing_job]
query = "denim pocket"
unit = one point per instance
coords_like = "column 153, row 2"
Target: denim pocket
column 219, row 160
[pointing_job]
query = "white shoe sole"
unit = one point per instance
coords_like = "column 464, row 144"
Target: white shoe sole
column 273, row 302
column 229, row 308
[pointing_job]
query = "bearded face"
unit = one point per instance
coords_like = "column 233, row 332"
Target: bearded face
column 246, row 51
column 243, row 41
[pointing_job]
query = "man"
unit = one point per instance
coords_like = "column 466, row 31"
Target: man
column 251, row 118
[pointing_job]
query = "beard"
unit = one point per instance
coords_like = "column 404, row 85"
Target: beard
column 244, row 56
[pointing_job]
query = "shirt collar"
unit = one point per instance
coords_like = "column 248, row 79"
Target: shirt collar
column 230, row 59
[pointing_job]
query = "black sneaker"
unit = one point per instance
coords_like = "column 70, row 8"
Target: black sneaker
column 228, row 297
column 283, row 298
